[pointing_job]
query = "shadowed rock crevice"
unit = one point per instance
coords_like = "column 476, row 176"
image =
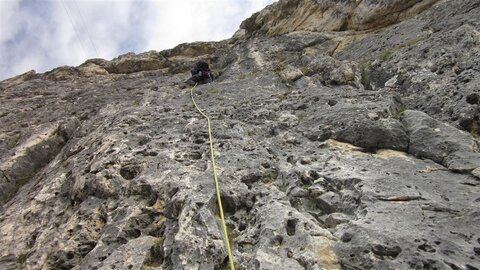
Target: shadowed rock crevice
column 130, row 171
column 32, row 155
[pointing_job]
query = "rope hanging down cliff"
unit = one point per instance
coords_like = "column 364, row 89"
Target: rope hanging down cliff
column 217, row 187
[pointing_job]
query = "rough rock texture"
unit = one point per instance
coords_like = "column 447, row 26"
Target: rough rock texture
column 330, row 15
column 346, row 137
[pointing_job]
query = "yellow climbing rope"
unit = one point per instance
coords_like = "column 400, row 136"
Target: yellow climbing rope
column 217, row 187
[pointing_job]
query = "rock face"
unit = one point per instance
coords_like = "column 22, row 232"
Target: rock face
column 346, row 137
column 329, row 15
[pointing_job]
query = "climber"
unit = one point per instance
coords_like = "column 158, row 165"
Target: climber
column 200, row 74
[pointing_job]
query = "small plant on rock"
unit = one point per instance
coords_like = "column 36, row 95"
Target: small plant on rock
column 21, row 259
column 385, row 55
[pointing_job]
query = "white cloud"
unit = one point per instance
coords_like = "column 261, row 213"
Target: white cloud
column 42, row 35
column 193, row 20
column 8, row 20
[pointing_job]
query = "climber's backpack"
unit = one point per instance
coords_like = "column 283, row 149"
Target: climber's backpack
column 200, row 66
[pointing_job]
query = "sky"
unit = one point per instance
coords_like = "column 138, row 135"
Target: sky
column 44, row 34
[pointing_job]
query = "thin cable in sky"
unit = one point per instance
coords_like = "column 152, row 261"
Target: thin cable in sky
column 75, row 29
column 131, row 25
column 83, row 23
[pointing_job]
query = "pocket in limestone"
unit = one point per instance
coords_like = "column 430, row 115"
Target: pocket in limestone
column 130, row 171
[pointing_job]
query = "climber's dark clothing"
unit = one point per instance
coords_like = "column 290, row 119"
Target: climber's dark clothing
column 200, row 74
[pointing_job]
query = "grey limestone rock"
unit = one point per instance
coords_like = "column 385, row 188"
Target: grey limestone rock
column 374, row 134
column 440, row 142
column 345, row 135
